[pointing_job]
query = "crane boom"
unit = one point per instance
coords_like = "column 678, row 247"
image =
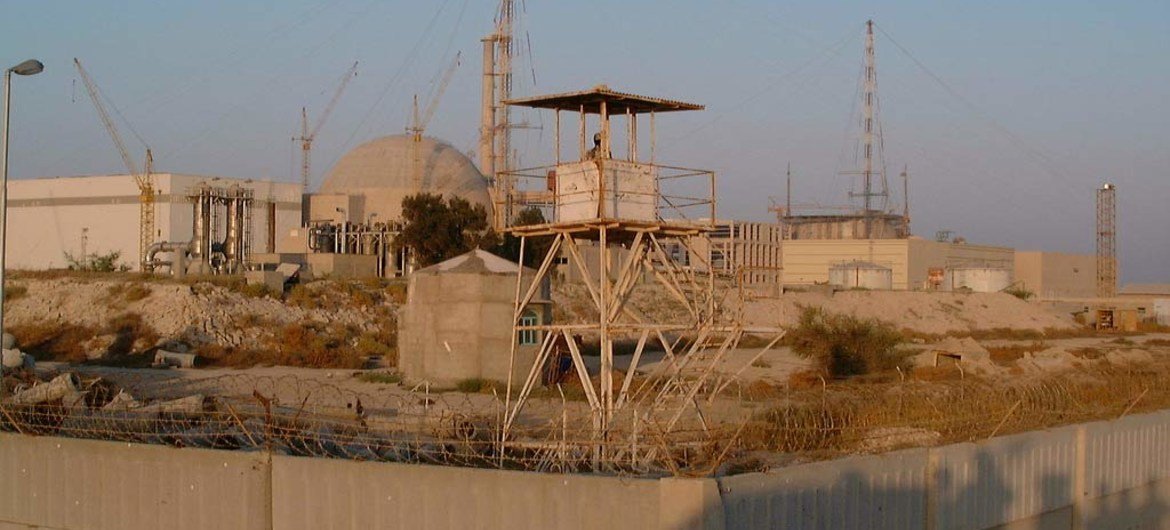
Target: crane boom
column 94, row 96
column 141, row 178
column 420, row 122
column 307, row 136
column 433, row 104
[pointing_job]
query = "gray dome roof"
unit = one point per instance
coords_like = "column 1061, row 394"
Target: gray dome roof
column 385, row 170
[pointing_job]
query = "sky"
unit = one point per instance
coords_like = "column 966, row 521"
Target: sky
column 1006, row 115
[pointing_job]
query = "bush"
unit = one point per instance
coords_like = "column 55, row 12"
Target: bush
column 14, row 292
column 1020, row 292
column 844, row 345
column 385, row 378
column 478, row 385
column 97, row 262
column 135, row 292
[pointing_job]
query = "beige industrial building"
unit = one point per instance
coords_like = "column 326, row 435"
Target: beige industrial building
column 457, row 322
column 1053, row 275
column 746, row 248
column 914, row 263
column 50, row 218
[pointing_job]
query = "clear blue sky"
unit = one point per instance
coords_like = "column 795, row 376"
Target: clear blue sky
column 1043, row 101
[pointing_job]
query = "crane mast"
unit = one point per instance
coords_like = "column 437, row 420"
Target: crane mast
column 142, row 179
column 419, row 125
column 307, row 136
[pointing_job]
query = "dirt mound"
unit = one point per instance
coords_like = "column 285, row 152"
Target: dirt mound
column 922, row 312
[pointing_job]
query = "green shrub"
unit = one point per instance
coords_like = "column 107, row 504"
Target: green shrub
column 844, row 345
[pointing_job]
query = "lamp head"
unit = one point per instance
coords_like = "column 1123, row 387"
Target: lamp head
column 29, row 67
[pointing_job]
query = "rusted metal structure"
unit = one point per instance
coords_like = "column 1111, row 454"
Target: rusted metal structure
column 622, row 200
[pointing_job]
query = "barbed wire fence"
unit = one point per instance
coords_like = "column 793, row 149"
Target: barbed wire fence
column 312, row 417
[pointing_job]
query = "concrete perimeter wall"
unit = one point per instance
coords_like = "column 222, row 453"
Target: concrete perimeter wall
column 1099, row 475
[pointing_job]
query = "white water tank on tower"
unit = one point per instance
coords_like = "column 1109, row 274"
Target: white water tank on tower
column 977, row 279
column 861, row 275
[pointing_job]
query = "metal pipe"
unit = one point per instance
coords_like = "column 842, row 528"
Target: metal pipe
column 154, row 249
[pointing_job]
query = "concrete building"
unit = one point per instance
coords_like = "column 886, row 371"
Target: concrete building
column 457, row 322
column 877, row 225
column 915, row 264
column 49, row 218
column 1053, row 275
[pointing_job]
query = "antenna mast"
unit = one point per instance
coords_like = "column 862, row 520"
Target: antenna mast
column 871, row 131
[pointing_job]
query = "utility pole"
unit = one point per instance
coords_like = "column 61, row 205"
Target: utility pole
column 906, row 198
column 84, row 249
column 1107, row 241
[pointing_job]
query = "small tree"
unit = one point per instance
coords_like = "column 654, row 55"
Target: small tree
column 535, row 249
column 436, row 230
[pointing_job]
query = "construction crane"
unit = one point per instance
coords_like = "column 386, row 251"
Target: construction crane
column 143, row 179
column 308, row 136
column 419, row 122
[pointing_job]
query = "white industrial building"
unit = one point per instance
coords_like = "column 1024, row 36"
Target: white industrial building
column 51, row 217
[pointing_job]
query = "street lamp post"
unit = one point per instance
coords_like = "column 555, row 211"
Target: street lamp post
column 29, row 67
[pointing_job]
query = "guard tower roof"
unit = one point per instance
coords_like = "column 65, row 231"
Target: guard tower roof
column 616, row 102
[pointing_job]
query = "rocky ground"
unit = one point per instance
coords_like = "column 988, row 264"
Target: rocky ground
column 94, row 316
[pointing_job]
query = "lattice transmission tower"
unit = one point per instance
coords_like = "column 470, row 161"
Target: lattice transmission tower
column 1107, row 241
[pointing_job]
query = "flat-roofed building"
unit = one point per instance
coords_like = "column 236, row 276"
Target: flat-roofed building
column 51, row 219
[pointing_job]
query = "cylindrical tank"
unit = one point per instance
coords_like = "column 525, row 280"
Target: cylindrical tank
column 977, row 279
column 861, row 275
column 201, row 228
column 235, row 229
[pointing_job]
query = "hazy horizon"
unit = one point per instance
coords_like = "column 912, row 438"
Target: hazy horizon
column 1008, row 117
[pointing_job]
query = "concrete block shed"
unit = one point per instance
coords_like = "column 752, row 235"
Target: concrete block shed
column 457, row 321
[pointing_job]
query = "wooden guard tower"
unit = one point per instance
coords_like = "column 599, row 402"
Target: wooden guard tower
column 640, row 218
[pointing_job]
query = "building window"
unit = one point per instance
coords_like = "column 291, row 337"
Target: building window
column 528, row 337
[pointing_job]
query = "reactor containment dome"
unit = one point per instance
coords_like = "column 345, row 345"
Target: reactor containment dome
column 381, row 172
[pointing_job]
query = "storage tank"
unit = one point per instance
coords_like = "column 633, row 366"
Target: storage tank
column 978, row 279
column 861, row 275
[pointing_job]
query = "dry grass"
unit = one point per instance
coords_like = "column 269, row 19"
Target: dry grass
column 846, row 416
column 307, row 344
column 65, row 342
column 478, row 385
column 1011, row 353
column 385, row 378
column 943, row 372
column 760, row 391
column 14, row 292
column 53, row 341
column 1156, row 342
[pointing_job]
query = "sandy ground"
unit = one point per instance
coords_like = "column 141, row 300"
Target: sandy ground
column 932, row 313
